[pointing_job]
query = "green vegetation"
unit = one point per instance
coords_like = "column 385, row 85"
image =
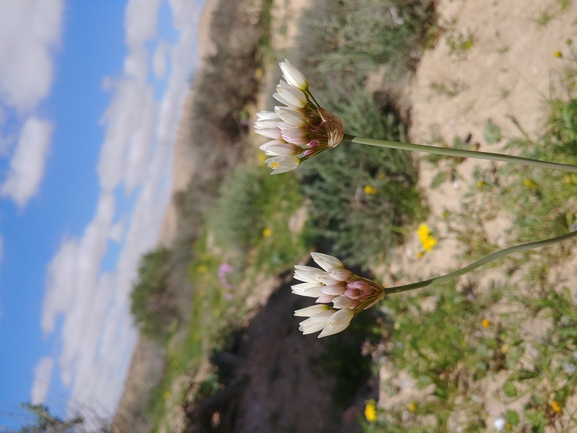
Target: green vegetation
column 254, row 212
column 153, row 307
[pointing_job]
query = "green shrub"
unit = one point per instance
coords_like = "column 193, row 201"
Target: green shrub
column 152, row 306
column 253, row 212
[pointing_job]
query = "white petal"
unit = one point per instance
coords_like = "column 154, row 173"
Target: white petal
column 282, row 149
column 299, row 289
column 294, row 140
column 290, row 95
column 313, row 292
column 334, row 289
column 306, row 277
column 316, row 322
column 307, row 268
column 326, row 279
column 291, row 115
column 273, row 133
column 266, row 124
column 267, row 115
column 325, row 299
column 340, row 274
column 328, row 263
column 295, row 132
column 343, row 302
column 282, row 164
column 311, row 311
column 307, row 327
column 293, row 76
column 338, row 322
column 270, row 143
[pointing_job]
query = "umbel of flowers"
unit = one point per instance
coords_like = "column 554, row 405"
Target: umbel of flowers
column 349, row 294
column 303, row 128
column 299, row 130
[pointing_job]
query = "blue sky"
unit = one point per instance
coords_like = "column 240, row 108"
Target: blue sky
column 90, row 98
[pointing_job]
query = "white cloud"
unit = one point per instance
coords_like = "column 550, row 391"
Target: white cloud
column 184, row 13
column 60, row 284
column 29, row 31
column 159, row 60
column 42, row 375
column 130, row 123
column 136, row 64
column 27, row 165
column 140, row 21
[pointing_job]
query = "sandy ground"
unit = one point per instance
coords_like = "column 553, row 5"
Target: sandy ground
column 507, row 71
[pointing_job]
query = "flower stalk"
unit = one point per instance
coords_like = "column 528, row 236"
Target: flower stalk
column 461, row 153
column 487, row 259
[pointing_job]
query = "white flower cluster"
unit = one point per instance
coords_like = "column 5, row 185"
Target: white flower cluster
column 299, row 130
column 349, row 294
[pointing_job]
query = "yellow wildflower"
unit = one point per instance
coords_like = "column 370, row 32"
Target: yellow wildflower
column 480, row 184
column 201, row 269
column 429, row 243
column 530, row 183
column 412, row 407
column 370, row 190
column 427, row 240
column 371, row 411
column 556, row 407
column 266, row 232
column 486, row 323
column 558, row 54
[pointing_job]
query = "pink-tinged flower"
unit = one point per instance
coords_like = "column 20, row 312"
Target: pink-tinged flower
column 301, row 128
column 349, row 293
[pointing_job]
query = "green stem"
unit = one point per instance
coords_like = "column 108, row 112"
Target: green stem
column 481, row 262
column 461, row 153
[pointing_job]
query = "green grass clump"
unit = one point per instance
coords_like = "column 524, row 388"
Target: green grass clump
column 153, row 306
column 353, row 38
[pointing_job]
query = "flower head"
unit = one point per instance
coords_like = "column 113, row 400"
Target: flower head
column 301, row 128
column 556, row 407
column 349, row 293
column 371, row 411
column 427, row 239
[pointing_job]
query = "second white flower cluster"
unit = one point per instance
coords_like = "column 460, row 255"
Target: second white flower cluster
column 348, row 292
